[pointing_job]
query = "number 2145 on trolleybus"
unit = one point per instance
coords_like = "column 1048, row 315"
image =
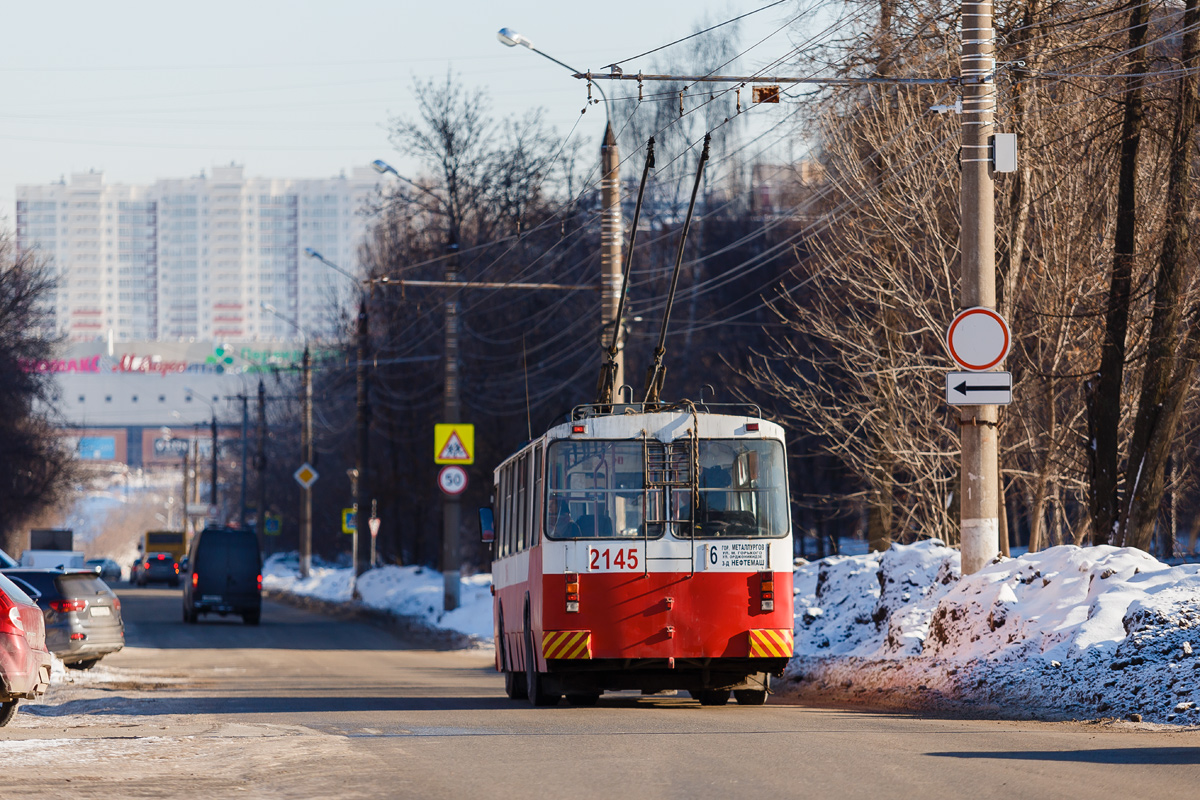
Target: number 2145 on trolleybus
column 643, row 548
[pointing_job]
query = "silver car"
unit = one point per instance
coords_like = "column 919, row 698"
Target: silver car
column 83, row 616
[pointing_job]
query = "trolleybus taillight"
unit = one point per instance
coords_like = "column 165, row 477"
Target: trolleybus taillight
column 572, row 591
column 768, row 590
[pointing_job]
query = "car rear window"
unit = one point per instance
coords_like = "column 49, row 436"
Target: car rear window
column 81, row 585
column 218, row 548
column 13, row 591
column 42, row 581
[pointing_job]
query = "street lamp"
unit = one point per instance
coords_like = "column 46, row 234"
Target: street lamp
column 360, row 551
column 510, row 38
column 611, row 226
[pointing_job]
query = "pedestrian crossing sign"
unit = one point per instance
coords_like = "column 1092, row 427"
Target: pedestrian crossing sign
column 454, row 444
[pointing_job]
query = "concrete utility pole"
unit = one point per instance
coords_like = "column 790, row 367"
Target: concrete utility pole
column 451, row 411
column 979, row 496
column 212, row 496
column 260, row 466
column 362, row 543
column 611, row 234
column 245, row 450
column 306, row 448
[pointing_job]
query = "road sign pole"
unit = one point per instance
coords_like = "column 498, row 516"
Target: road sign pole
column 307, row 450
column 451, row 511
column 979, row 494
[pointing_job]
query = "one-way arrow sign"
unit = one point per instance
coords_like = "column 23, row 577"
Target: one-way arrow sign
column 978, row 388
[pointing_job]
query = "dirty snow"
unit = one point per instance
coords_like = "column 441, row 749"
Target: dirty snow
column 1069, row 631
column 414, row 592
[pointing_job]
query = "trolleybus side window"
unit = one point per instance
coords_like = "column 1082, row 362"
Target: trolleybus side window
column 522, row 500
column 506, row 514
column 535, row 526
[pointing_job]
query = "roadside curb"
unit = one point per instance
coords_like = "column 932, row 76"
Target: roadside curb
column 412, row 629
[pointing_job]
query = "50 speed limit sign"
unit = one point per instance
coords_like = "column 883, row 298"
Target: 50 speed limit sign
column 452, row 480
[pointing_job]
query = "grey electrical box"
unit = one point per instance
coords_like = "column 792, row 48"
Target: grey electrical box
column 1004, row 152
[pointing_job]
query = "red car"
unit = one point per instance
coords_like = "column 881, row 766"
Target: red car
column 24, row 659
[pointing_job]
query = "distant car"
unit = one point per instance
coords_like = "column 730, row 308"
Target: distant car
column 158, row 568
column 224, row 575
column 82, row 615
column 108, row 570
column 24, row 659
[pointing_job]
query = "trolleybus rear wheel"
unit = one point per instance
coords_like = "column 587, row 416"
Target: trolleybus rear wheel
column 712, row 697
column 535, row 684
column 750, row 697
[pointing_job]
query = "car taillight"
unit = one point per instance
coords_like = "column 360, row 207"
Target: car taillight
column 162, row 557
column 177, row 569
column 14, row 617
column 63, row 606
column 768, row 590
column 260, row 583
column 572, row 591
column 195, row 579
column 116, row 602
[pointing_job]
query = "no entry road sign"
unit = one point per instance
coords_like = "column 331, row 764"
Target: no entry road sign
column 978, row 339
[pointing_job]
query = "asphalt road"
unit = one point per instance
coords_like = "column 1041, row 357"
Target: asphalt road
column 308, row 705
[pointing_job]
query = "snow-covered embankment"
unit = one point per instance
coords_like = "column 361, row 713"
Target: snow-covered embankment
column 1070, row 631
column 412, row 592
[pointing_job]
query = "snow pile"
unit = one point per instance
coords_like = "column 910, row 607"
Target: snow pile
column 414, row 592
column 1096, row 631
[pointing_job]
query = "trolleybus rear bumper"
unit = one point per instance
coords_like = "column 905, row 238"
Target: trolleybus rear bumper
column 658, row 674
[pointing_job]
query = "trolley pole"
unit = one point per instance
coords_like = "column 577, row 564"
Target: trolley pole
column 979, row 495
column 362, row 544
column 610, row 247
column 451, row 510
column 306, row 448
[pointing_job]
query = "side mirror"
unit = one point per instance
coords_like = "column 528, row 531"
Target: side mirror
column 487, row 526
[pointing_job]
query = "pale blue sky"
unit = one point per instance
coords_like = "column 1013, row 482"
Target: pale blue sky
column 302, row 88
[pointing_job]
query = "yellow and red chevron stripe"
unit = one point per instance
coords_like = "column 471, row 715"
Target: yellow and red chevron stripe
column 567, row 644
column 771, row 643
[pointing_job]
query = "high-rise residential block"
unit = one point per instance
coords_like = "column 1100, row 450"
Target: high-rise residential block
column 197, row 258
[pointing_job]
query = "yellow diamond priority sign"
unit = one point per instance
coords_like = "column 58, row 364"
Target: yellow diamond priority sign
column 454, row 443
column 306, row 476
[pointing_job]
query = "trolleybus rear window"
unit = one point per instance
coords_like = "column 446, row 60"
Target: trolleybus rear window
column 630, row 489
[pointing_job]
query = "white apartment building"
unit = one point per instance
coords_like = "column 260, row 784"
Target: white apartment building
column 196, row 258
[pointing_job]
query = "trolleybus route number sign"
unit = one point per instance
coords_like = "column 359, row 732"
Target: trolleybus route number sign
column 612, row 559
column 736, row 555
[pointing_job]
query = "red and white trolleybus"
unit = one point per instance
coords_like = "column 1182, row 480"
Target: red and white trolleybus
column 644, row 547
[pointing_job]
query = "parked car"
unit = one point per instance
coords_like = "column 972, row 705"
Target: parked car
column 108, row 570
column 82, row 615
column 224, row 575
column 24, row 659
column 158, row 568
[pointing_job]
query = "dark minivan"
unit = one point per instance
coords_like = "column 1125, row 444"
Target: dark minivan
column 224, row 575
